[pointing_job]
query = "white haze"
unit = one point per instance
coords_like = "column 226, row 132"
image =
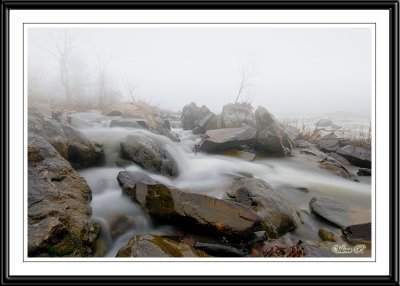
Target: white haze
column 296, row 70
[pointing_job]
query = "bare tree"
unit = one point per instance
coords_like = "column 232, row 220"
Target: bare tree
column 131, row 88
column 62, row 55
column 247, row 72
column 102, row 66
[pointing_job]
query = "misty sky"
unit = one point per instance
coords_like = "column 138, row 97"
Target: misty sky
column 296, row 70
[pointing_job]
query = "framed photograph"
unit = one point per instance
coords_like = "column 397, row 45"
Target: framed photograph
column 198, row 142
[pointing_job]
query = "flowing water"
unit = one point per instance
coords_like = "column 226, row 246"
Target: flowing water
column 206, row 174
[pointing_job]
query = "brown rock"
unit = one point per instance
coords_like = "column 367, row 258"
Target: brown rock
column 58, row 205
column 156, row 246
column 190, row 210
column 277, row 215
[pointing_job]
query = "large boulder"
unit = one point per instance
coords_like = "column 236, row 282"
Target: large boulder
column 228, row 138
column 271, row 137
column 338, row 213
column 277, row 215
column 357, row 156
column 189, row 210
column 148, row 245
column 237, row 115
column 72, row 144
column 149, row 154
column 200, row 117
column 59, row 213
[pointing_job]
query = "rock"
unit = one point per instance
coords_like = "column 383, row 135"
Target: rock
column 326, row 235
column 147, row 153
column 364, row 172
column 227, row 138
column 339, row 158
column 119, row 224
column 129, row 122
column 237, row 115
column 156, row 246
column 331, row 164
column 324, row 123
column 328, row 145
column 194, row 116
column 82, row 151
column 302, row 143
column 198, row 130
column 59, row 212
column 70, row 143
column 189, row 210
column 358, row 234
column 271, row 138
column 219, row 250
column 357, row 156
column 338, row 213
column 293, row 132
column 277, row 215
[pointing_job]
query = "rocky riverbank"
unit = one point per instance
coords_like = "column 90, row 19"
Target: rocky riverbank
column 234, row 207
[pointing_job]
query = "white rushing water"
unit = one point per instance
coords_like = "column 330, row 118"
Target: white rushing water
column 201, row 173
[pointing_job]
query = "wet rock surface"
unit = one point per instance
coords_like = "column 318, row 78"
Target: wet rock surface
column 59, row 222
column 338, row 213
column 227, row 138
column 357, row 156
column 271, row 138
column 277, row 215
column 359, row 233
column 147, row 153
column 72, row 144
column 189, row 210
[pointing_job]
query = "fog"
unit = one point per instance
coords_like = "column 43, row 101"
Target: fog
column 290, row 70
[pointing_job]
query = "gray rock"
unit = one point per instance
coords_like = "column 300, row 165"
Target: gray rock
column 237, row 115
column 358, row 234
column 364, row 172
column 357, row 156
column 59, row 221
column 194, row 116
column 129, row 123
column 271, row 137
column 70, row 143
column 228, row 138
column 338, row 213
column 156, row 246
column 188, row 210
column 334, row 166
column 277, row 215
column 147, row 153
column 324, row 123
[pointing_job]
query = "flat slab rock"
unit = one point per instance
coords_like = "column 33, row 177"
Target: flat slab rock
column 338, row 213
column 188, row 210
column 228, row 138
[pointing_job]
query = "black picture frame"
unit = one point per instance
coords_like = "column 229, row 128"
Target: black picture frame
column 391, row 279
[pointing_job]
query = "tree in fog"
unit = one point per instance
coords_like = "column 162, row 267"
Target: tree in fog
column 131, row 89
column 246, row 72
column 102, row 67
